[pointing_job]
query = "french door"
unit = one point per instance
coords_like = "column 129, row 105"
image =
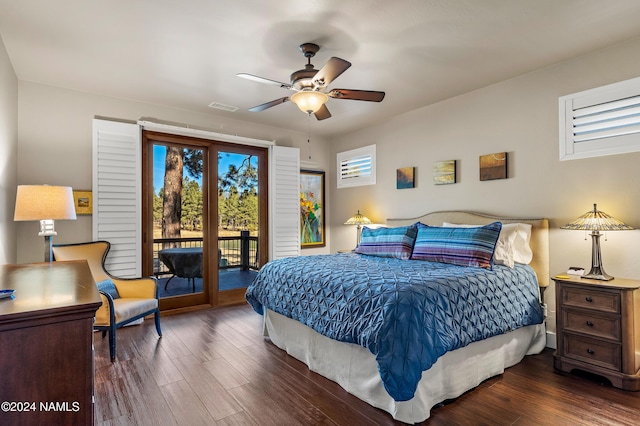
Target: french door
column 204, row 218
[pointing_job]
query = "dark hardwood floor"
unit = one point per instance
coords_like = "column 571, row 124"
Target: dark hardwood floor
column 214, row 367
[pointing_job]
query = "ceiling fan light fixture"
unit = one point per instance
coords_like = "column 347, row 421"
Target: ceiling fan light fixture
column 309, row 101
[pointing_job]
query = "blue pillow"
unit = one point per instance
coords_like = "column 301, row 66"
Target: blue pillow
column 387, row 242
column 108, row 287
column 457, row 246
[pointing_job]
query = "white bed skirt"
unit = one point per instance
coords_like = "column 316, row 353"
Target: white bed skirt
column 354, row 367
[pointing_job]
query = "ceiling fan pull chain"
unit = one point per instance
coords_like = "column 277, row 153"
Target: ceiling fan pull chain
column 309, row 136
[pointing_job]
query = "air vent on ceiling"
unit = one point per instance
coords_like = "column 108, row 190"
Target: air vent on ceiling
column 224, row 107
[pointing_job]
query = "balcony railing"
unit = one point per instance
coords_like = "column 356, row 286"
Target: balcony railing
column 233, row 252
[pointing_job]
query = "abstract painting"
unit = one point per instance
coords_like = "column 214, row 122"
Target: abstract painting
column 405, row 178
column 444, row 172
column 493, row 166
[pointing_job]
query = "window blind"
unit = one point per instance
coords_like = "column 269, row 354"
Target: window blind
column 600, row 121
column 616, row 118
column 357, row 167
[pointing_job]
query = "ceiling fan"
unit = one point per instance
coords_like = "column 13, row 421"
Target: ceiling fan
column 309, row 84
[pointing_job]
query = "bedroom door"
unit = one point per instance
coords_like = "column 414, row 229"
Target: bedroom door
column 241, row 219
column 204, row 218
column 177, row 243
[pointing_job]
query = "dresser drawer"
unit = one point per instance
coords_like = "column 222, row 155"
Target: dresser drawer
column 595, row 352
column 604, row 326
column 596, row 300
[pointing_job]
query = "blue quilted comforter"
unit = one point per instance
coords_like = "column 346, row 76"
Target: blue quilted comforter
column 406, row 312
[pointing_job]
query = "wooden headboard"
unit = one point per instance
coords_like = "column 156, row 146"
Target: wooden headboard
column 539, row 233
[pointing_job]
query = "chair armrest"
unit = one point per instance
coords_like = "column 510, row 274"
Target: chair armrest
column 144, row 288
column 104, row 312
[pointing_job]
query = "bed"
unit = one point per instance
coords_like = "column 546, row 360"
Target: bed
column 369, row 363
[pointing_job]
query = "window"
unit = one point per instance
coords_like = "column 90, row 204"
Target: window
column 357, row 167
column 601, row 121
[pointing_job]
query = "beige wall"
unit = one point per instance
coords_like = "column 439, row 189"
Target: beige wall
column 55, row 147
column 519, row 116
column 8, row 152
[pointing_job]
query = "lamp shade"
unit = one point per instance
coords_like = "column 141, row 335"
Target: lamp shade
column 43, row 202
column 309, row 101
column 358, row 219
column 596, row 220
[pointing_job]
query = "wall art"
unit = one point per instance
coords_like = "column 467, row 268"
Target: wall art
column 444, row 172
column 312, row 222
column 405, row 178
column 83, row 202
column 493, row 166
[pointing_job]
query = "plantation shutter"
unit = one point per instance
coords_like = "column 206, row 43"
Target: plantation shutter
column 357, row 167
column 284, row 202
column 606, row 120
column 600, row 121
column 117, row 194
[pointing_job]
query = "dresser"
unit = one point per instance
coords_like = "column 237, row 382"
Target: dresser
column 46, row 344
column 598, row 328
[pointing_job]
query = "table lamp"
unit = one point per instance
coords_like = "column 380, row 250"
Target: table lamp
column 358, row 220
column 46, row 204
column 596, row 221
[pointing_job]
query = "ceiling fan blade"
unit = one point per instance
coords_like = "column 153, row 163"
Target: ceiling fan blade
column 265, row 80
column 266, row 105
column 357, row 95
column 323, row 113
column 330, row 71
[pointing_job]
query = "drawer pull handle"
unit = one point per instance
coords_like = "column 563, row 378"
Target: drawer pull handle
column 589, row 323
column 590, row 351
column 588, row 299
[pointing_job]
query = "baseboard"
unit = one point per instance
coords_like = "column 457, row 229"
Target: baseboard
column 551, row 340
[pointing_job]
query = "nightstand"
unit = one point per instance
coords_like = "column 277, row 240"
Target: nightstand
column 598, row 328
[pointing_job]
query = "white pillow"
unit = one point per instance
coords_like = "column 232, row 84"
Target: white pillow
column 513, row 243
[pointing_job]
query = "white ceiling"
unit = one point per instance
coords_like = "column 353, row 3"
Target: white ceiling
column 186, row 53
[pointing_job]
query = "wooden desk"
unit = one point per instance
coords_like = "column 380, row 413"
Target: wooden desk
column 46, row 344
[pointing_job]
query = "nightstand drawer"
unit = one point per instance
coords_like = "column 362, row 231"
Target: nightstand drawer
column 604, row 326
column 595, row 352
column 591, row 299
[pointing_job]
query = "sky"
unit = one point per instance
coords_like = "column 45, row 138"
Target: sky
column 159, row 152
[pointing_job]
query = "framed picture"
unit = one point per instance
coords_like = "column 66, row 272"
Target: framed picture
column 83, row 202
column 444, row 172
column 493, row 166
column 312, row 223
column 405, row 177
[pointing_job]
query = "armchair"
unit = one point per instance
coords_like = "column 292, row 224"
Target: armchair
column 124, row 300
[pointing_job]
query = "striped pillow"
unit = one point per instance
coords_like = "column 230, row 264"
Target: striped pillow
column 388, row 242
column 457, row 246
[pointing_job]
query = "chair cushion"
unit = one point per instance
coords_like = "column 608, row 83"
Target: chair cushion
column 108, row 287
column 126, row 308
